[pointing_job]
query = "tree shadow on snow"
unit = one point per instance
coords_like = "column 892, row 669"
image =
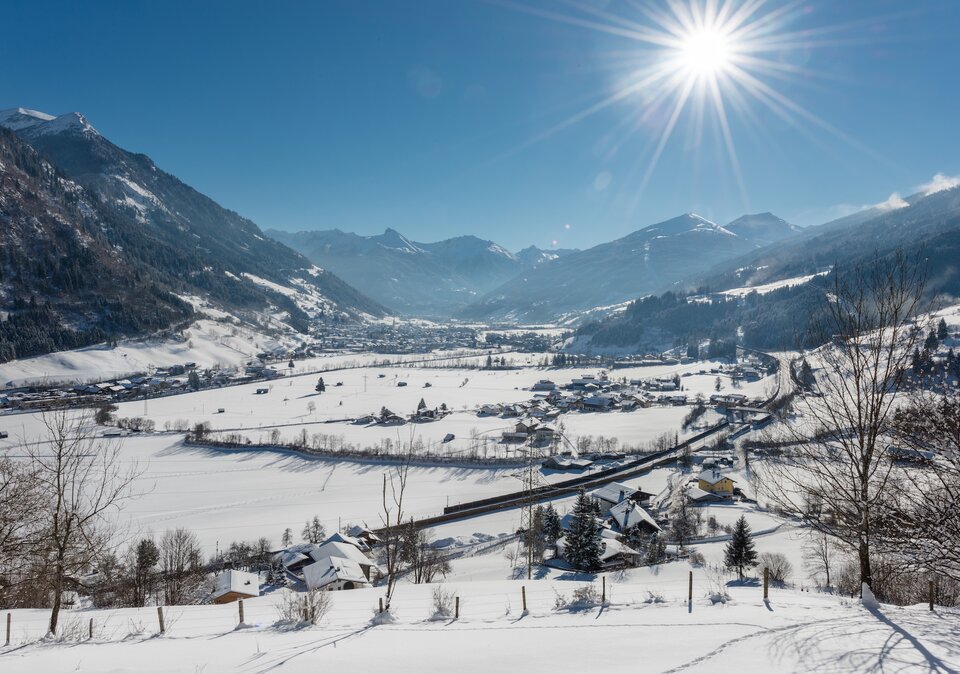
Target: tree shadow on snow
column 869, row 641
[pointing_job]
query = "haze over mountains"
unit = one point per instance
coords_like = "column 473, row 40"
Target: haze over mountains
column 793, row 280
column 648, row 260
column 423, row 279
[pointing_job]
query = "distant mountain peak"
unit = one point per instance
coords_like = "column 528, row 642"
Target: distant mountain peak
column 682, row 223
column 16, row 119
column 391, row 238
column 762, row 228
column 40, row 123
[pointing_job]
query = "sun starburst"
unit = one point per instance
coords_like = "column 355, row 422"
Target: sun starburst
column 714, row 59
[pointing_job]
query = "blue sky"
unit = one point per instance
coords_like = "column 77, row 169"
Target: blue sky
column 430, row 116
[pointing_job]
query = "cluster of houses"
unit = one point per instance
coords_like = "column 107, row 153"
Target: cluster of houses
column 341, row 562
column 395, row 338
column 622, row 508
column 163, row 381
column 599, row 393
column 387, row 417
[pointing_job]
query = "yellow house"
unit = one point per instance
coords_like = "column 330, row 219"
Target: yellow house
column 715, row 482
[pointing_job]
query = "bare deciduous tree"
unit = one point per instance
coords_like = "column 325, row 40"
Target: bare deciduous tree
column 424, row 561
column 927, row 530
column 820, row 557
column 837, row 458
column 392, row 516
column 82, row 484
column 181, row 565
column 19, row 524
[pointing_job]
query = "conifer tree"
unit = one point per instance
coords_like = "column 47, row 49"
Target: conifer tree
column 740, row 553
column 552, row 530
column 583, row 545
column 942, row 330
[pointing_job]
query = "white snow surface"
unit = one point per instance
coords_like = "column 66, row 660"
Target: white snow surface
column 647, row 619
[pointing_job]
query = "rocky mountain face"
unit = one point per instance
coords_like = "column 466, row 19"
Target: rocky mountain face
column 434, row 280
column 99, row 242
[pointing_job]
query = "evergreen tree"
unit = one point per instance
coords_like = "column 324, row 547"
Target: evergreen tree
column 287, row 539
column 194, row 380
column 422, row 406
column 684, row 522
column 740, row 553
column 942, row 330
column 321, row 387
column 931, row 343
column 583, row 545
column 656, row 550
column 145, row 558
column 807, row 380
column 552, row 531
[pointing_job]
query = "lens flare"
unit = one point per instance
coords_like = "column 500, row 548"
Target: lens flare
column 707, row 61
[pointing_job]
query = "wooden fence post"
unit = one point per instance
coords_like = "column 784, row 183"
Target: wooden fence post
column 240, row 607
column 603, row 591
column 766, row 583
column 456, row 609
column 381, row 604
column 690, row 588
column 523, row 592
column 9, row 618
column 929, row 587
column 90, row 633
column 163, row 629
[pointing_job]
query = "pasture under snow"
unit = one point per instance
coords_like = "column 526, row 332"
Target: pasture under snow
column 646, row 625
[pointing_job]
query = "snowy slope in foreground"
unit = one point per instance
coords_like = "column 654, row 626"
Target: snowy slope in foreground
column 795, row 632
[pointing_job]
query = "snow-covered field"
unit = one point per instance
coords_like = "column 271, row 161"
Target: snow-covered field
column 292, row 405
column 227, row 495
column 647, row 625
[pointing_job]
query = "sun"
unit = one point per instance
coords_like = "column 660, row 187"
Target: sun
column 712, row 67
column 705, row 52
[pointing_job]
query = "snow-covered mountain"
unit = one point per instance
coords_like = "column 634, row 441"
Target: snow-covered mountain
column 123, row 243
column 763, row 228
column 423, row 279
column 645, row 261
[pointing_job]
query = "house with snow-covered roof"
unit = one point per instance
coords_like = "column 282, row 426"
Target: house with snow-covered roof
column 233, row 585
column 346, row 551
column 628, row 515
column 615, row 492
column 335, row 573
column 715, row 482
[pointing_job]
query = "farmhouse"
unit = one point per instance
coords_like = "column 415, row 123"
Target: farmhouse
column 335, row 573
column 617, row 555
column 597, row 402
column 611, row 494
column 544, row 385
column 715, row 482
column 628, row 515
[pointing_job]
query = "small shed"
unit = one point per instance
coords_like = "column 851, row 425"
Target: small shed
column 233, row 585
